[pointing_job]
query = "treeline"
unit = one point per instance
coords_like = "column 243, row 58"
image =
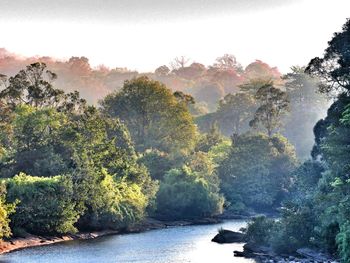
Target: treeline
column 207, row 84
column 217, row 89
column 317, row 210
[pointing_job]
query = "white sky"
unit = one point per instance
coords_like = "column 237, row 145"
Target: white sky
column 281, row 33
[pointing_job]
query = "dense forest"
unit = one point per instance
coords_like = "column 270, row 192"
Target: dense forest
column 183, row 142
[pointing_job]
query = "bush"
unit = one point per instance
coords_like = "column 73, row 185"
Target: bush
column 5, row 211
column 45, row 204
column 259, row 230
column 183, row 194
column 343, row 242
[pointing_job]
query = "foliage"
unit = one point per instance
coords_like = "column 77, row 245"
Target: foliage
column 190, row 192
column 257, row 170
column 333, row 68
column 259, row 229
column 153, row 115
column 208, row 140
column 343, row 241
column 273, row 104
column 235, row 111
column 33, row 86
column 45, row 205
column 5, row 211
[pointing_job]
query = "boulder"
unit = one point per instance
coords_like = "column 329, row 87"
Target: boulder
column 227, row 236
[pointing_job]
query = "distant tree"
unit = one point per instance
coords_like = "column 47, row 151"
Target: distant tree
column 80, row 66
column 162, row 71
column 260, row 70
column 300, row 86
column 307, row 106
column 228, row 61
column 210, row 139
column 273, row 104
column 179, row 62
column 235, row 110
column 33, row 86
column 154, row 116
column 208, row 92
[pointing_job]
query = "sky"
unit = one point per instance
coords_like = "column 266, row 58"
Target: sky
column 144, row 34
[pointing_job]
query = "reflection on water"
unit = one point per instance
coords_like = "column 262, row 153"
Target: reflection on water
column 177, row 244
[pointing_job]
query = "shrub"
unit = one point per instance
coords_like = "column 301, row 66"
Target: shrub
column 45, row 204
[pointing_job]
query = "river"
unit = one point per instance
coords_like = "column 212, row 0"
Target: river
column 176, row 244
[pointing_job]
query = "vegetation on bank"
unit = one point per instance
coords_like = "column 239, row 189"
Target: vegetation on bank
column 316, row 213
column 66, row 166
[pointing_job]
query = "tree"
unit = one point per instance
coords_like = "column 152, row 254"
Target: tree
column 162, row 71
column 333, row 69
column 179, row 62
column 307, row 106
column 273, row 104
column 153, row 115
column 234, row 112
column 256, row 172
column 208, row 92
column 189, row 192
column 208, row 140
column 228, row 61
column 33, row 86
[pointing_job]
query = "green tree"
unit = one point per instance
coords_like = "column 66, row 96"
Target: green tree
column 208, row 140
column 256, row 173
column 33, row 86
column 333, row 69
column 273, row 104
column 153, row 115
column 235, row 111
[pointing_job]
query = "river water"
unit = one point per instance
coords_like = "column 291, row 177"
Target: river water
column 176, row 244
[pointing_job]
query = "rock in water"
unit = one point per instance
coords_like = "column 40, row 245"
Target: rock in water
column 227, row 236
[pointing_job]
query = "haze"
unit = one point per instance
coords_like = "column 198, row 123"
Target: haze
column 142, row 35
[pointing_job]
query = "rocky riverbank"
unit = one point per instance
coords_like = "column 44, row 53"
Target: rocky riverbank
column 265, row 254
column 18, row 243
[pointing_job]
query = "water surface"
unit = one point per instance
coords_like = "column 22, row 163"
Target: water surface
column 171, row 245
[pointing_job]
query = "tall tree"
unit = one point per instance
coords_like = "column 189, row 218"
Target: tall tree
column 273, row 104
column 333, row 68
column 155, row 117
column 235, row 110
column 228, row 62
column 33, row 86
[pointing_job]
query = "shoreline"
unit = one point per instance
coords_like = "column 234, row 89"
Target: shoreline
column 19, row 243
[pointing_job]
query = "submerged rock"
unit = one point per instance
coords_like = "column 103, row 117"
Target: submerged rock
column 228, row 236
